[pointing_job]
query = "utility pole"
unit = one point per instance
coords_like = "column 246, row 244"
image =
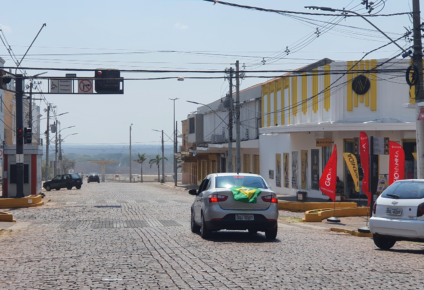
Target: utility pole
column 163, row 161
column 46, row 174
column 175, row 145
column 230, row 123
column 19, row 136
column 130, row 155
column 55, row 147
column 419, row 92
column 237, row 117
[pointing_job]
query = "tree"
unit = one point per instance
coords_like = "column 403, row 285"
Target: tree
column 157, row 161
column 140, row 160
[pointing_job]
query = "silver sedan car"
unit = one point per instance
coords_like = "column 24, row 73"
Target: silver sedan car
column 234, row 202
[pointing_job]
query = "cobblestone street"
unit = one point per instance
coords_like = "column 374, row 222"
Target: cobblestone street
column 137, row 236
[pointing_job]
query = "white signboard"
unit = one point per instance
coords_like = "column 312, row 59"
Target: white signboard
column 60, row 86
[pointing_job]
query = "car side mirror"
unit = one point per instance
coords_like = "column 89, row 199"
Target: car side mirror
column 192, row 191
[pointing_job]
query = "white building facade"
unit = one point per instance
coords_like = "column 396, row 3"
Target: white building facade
column 304, row 114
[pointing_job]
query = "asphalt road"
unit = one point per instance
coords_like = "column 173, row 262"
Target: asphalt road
column 137, row 236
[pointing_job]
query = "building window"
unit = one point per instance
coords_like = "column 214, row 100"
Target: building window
column 191, row 125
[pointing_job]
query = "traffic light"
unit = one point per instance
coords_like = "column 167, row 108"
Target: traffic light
column 19, row 136
column 27, row 135
column 4, row 79
column 108, row 81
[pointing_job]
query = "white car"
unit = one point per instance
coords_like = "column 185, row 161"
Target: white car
column 398, row 214
column 235, row 202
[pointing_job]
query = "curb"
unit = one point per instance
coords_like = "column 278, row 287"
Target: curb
column 27, row 201
column 6, row 217
column 353, row 233
column 305, row 206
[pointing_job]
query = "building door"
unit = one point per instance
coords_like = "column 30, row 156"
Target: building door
column 410, row 146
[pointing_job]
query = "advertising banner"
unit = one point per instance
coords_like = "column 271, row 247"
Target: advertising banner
column 352, row 165
column 328, row 180
column 396, row 162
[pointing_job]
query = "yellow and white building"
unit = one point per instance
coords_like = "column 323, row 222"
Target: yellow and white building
column 304, row 114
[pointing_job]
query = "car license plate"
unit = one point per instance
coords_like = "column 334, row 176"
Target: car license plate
column 394, row 211
column 245, row 217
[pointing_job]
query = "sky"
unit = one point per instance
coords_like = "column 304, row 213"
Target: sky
column 178, row 35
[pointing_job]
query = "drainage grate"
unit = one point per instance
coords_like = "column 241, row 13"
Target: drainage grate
column 108, row 206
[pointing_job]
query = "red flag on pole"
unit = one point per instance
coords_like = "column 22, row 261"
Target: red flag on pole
column 328, row 180
column 396, row 163
column 364, row 154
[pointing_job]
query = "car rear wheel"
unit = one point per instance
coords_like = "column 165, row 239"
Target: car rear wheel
column 69, row 187
column 48, row 188
column 194, row 227
column 271, row 234
column 383, row 242
column 78, row 186
column 204, row 231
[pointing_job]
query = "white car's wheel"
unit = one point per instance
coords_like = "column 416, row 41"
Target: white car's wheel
column 383, row 242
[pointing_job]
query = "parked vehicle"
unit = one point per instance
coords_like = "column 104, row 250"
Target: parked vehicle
column 398, row 214
column 234, row 202
column 64, row 181
column 93, row 178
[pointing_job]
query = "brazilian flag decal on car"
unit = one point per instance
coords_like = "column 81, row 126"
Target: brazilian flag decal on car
column 245, row 194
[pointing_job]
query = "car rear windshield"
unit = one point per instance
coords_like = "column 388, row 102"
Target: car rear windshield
column 75, row 176
column 239, row 180
column 405, row 190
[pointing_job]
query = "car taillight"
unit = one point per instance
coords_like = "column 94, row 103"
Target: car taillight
column 420, row 210
column 217, row 198
column 374, row 207
column 270, row 198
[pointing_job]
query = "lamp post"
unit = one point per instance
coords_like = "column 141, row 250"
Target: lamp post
column 60, row 149
column 130, row 154
column 163, row 157
column 175, row 145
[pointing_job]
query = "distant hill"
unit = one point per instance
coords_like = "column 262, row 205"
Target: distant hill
column 83, row 154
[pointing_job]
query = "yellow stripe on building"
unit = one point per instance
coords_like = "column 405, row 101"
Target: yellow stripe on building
column 327, row 89
column 304, row 93
column 264, row 93
column 373, row 88
column 349, row 103
column 315, row 90
column 277, row 87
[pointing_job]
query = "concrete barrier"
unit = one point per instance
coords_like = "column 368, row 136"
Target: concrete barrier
column 318, row 215
column 304, row 206
column 28, row 201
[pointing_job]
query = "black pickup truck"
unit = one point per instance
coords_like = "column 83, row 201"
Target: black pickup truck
column 64, row 181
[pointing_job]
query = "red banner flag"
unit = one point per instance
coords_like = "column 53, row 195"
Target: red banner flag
column 328, row 180
column 396, row 163
column 364, row 154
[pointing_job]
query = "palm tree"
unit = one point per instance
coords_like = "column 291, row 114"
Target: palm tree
column 157, row 161
column 140, row 160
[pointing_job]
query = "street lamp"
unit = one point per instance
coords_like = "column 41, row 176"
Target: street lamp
column 163, row 157
column 175, row 145
column 130, row 154
column 60, row 148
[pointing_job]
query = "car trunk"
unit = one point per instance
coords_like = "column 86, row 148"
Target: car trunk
column 232, row 204
column 399, row 208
